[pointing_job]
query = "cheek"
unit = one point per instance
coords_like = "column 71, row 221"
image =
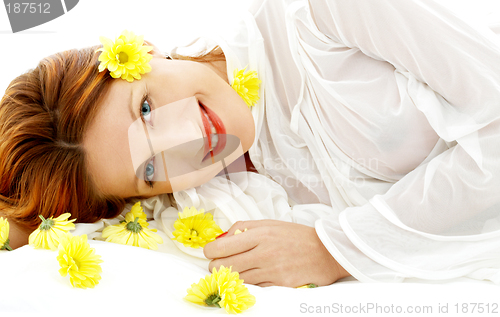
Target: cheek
column 173, row 175
column 162, row 188
column 234, row 163
column 194, row 178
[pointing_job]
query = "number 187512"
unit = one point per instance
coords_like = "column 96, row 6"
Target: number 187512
column 26, row 7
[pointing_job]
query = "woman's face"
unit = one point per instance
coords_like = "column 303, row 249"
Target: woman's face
column 152, row 136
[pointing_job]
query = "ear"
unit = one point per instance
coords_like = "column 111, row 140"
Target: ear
column 156, row 51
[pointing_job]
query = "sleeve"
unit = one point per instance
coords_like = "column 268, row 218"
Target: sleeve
column 441, row 220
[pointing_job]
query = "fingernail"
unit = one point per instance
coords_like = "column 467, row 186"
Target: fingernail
column 221, row 235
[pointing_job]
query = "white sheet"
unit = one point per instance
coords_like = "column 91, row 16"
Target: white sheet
column 140, row 281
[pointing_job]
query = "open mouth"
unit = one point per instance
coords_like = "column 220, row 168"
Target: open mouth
column 215, row 139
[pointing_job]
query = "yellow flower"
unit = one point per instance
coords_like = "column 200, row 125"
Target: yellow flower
column 311, row 285
column 235, row 297
column 50, row 230
column 206, row 292
column 195, row 229
column 126, row 58
column 79, row 260
column 222, row 288
column 246, row 84
column 137, row 212
column 133, row 231
column 4, row 234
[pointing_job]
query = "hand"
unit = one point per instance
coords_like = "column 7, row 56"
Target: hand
column 275, row 252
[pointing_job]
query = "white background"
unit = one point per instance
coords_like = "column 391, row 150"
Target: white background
column 166, row 23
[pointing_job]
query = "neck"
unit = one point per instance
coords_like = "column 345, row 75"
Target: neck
column 218, row 67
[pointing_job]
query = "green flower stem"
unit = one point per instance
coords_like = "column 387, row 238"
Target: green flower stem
column 46, row 223
column 135, row 227
column 213, row 300
column 6, row 246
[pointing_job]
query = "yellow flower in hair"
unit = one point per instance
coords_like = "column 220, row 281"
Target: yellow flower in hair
column 195, row 229
column 246, row 83
column 50, row 230
column 133, row 231
column 235, row 297
column 126, row 58
column 4, row 234
column 79, row 260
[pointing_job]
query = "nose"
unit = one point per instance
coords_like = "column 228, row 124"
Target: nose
column 174, row 129
column 175, row 124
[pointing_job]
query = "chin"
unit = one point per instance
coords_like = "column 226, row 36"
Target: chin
column 249, row 136
column 248, row 144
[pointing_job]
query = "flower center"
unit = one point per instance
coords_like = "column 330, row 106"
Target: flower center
column 122, row 57
column 46, row 223
column 213, row 300
column 73, row 264
column 192, row 234
column 135, row 227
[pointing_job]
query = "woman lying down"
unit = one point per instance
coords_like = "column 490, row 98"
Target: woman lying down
column 341, row 138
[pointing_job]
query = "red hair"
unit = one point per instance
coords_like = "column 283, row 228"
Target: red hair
column 43, row 117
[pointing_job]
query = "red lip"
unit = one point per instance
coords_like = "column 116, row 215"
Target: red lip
column 208, row 133
column 219, row 128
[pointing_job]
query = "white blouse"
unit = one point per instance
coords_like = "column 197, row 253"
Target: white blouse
column 381, row 121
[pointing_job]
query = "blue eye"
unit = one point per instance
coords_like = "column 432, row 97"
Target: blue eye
column 146, row 108
column 149, row 172
column 146, row 112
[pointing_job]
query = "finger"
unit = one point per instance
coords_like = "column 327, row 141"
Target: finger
column 250, row 224
column 263, row 276
column 230, row 245
column 253, row 276
column 266, row 284
column 240, row 262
